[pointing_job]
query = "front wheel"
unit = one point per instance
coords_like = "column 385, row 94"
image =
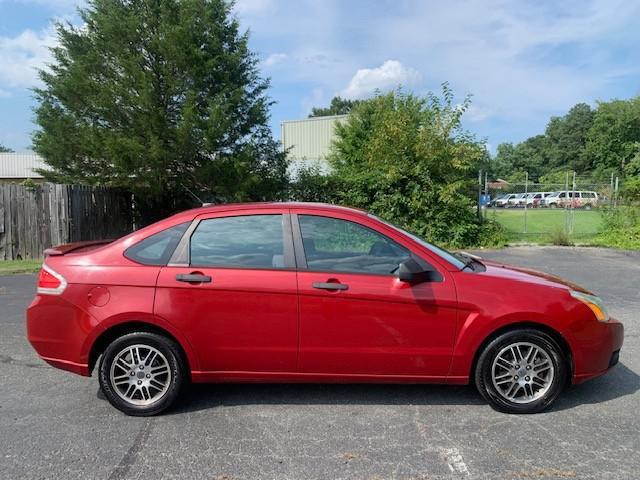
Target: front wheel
column 521, row 371
column 142, row 373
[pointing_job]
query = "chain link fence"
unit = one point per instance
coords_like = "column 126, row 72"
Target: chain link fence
column 539, row 211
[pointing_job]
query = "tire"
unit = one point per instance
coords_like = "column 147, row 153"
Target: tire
column 512, row 390
column 553, row 205
column 157, row 369
column 587, row 206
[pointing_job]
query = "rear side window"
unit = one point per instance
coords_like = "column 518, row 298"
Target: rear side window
column 157, row 249
column 249, row 241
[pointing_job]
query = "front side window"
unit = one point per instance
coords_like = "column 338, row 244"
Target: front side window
column 157, row 248
column 334, row 245
column 250, row 241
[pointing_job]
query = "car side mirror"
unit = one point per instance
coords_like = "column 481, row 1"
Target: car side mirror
column 411, row 271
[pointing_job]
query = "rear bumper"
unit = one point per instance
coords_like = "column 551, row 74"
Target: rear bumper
column 597, row 349
column 69, row 366
column 57, row 331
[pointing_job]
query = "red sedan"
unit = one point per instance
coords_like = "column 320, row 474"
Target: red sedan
column 295, row 292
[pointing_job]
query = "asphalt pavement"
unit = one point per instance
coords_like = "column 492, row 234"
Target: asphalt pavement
column 57, row 425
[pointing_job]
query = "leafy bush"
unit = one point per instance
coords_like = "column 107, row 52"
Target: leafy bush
column 621, row 228
column 406, row 159
column 560, row 237
column 311, row 185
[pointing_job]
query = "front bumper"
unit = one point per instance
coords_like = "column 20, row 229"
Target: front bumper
column 597, row 349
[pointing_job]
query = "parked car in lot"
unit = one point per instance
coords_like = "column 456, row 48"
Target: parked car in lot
column 575, row 199
column 297, row 292
column 503, row 200
column 517, row 200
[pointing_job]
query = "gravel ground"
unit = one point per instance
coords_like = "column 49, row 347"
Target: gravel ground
column 56, row 425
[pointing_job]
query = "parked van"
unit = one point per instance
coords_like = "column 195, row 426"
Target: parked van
column 575, row 199
column 535, row 199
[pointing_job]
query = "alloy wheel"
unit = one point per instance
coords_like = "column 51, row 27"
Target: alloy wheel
column 140, row 374
column 522, row 372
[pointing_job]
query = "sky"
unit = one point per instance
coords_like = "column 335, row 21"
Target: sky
column 521, row 61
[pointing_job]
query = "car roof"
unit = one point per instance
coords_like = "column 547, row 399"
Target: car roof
column 223, row 207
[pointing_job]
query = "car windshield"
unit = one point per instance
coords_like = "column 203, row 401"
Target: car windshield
column 453, row 258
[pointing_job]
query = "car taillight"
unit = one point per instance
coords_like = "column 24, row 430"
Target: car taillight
column 50, row 282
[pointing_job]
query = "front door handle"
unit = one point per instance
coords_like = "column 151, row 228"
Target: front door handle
column 330, row 286
column 193, row 278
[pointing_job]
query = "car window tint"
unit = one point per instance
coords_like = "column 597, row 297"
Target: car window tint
column 249, row 241
column 332, row 244
column 157, row 248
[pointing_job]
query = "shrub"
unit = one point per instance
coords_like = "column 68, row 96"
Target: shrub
column 560, row 237
column 406, row 159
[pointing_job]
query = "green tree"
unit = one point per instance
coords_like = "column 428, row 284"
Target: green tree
column 4, row 149
column 407, row 159
column 567, row 137
column 338, row 106
column 613, row 136
column 159, row 97
column 530, row 156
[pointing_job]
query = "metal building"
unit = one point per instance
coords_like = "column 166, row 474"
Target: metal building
column 309, row 141
column 16, row 167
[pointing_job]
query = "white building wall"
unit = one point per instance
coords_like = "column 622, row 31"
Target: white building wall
column 21, row 165
column 309, row 141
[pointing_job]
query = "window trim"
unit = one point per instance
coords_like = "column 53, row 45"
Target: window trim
column 301, row 258
column 182, row 254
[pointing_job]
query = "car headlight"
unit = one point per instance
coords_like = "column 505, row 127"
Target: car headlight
column 594, row 303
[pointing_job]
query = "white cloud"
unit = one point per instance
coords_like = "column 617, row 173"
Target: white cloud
column 390, row 74
column 317, row 98
column 274, row 59
column 477, row 113
column 249, row 7
column 22, row 56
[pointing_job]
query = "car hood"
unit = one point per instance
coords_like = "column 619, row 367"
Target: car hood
column 528, row 275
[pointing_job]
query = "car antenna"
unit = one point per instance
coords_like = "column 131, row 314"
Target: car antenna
column 204, row 204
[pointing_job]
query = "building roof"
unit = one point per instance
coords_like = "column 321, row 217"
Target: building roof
column 21, row 165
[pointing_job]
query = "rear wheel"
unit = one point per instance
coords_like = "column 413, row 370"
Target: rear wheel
column 142, row 373
column 521, row 371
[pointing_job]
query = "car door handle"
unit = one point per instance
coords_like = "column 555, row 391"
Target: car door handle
column 193, row 278
column 330, row 286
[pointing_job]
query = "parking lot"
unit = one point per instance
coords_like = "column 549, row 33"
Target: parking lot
column 56, row 425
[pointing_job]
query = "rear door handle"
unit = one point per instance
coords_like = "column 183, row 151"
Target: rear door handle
column 193, row 278
column 330, row 286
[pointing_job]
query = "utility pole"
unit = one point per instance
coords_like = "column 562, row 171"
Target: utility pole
column 479, row 194
column 573, row 200
column 526, row 191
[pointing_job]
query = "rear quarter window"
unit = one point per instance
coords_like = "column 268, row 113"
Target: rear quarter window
column 157, row 248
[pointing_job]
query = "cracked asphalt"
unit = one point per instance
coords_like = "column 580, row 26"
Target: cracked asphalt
column 56, row 425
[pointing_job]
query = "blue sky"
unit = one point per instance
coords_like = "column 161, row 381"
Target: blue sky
column 521, row 61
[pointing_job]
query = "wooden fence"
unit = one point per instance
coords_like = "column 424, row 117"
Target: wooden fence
column 35, row 218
